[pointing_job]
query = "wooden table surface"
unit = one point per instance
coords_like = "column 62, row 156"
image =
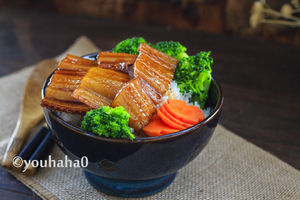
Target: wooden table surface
column 260, row 80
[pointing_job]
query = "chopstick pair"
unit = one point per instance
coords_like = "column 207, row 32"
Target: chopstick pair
column 37, row 149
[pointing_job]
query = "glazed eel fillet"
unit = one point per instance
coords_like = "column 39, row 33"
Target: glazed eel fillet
column 136, row 102
column 156, row 70
column 64, row 81
column 100, row 86
column 115, row 61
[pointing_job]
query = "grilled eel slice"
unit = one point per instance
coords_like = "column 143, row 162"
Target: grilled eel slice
column 100, row 86
column 136, row 102
column 115, row 61
column 154, row 72
column 70, row 74
column 155, row 69
column 64, row 81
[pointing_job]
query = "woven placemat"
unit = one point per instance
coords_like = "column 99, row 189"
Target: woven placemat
column 228, row 168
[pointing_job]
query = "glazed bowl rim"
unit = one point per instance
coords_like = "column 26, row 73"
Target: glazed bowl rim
column 209, row 118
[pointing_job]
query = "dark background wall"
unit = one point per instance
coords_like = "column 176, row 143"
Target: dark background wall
column 230, row 17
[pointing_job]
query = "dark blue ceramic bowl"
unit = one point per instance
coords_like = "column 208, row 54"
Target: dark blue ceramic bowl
column 145, row 166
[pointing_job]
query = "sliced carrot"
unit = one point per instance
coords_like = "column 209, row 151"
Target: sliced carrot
column 182, row 111
column 174, row 119
column 157, row 127
column 168, row 121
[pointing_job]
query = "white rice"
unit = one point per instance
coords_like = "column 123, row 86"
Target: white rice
column 174, row 93
column 72, row 119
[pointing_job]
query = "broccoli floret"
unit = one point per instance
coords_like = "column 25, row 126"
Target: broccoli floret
column 109, row 122
column 193, row 74
column 174, row 49
column 129, row 45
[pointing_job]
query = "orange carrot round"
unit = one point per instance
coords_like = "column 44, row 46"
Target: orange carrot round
column 157, row 127
column 174, row 119
column 182, row 111
column 168, row 121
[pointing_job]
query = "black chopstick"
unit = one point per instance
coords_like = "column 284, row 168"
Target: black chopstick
column 40, row 153
column 37, row 148
column 29, row 148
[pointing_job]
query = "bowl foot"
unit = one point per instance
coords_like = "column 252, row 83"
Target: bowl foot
column 124, row 188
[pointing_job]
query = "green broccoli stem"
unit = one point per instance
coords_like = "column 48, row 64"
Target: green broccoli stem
column 203, row 87
column 131, row 136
